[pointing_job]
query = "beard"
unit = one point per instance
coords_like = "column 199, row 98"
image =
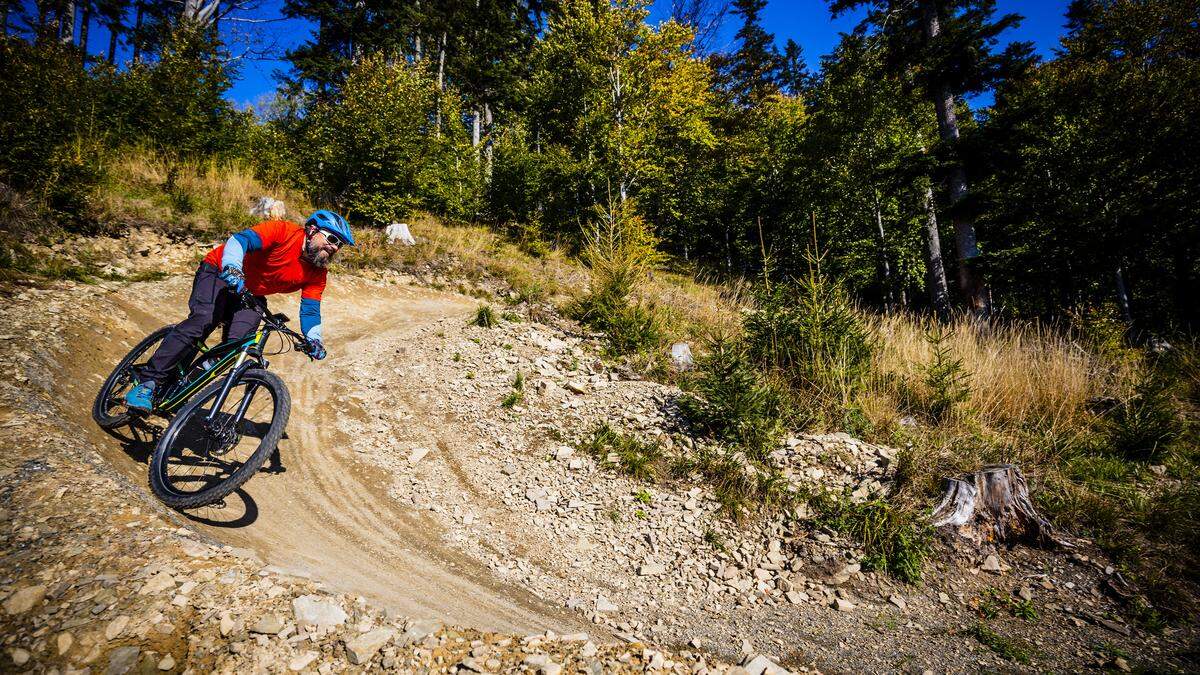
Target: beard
column 317, row 256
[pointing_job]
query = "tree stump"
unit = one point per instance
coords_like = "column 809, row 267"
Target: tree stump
column 992, row 505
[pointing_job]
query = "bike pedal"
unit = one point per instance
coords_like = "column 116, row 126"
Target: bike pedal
column 220, row 504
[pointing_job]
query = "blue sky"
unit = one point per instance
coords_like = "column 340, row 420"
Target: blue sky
column 806, row 21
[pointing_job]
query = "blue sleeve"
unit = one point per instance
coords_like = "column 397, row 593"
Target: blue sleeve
column 310, row 318
column 238, row 246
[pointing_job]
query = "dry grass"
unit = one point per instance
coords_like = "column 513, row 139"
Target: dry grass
column 690, row 308
column 1021, row 375
column 141, row 188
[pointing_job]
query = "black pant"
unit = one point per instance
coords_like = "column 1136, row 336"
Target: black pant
column 211, row 302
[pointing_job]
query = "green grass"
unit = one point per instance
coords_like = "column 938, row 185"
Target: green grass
column 715, row 539
column 485, row 317
column 994, row 601
column 894, row 540
column 1010, row 649
column 637, row 459
column 517, row 395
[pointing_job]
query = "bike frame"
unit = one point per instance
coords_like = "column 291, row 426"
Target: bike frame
column 235, row 356
column 230, row 353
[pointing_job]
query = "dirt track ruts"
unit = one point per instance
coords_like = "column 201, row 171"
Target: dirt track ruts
column 326, row 517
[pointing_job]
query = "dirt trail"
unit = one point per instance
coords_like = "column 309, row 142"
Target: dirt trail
column 327, row 516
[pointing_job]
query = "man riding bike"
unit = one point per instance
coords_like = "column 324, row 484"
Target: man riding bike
column 275, row 256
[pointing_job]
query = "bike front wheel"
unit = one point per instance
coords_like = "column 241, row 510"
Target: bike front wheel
column 204, row 456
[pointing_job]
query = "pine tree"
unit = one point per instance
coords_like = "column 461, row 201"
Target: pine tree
column 948, row 48
column 754, row 70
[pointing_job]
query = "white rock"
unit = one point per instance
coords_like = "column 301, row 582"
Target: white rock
column 64, row 642
column 651, row 570
column 761, row 665
column 603, row 604
column 157, row 584
column 991, row 564
column 115, row 627
column 301, row 660
column 419, row 630
column 268, row 208
column 314, row 610
column 417, row 455
column 24, row 599
column 842, row 605
column 362, row 648
column 681, row 356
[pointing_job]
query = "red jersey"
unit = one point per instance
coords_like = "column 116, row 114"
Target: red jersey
column 273, row 263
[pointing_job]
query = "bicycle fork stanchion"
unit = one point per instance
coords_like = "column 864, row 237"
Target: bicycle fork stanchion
column 229, row 380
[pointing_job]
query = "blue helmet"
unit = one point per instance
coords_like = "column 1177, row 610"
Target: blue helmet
column 331, row 222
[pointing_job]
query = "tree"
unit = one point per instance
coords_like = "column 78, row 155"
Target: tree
column 753, row 72
column 112, row 15
column 627, row 104
column 1090, row 191
column 176, row 104
column 794, row 77
column 948, row 48
column 703, row 17
column 371, row 149
column 864, row 142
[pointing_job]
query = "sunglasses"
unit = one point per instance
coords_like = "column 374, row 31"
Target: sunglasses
column 333, row 239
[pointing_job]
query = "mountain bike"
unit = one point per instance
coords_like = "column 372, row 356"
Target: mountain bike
column 218, row 435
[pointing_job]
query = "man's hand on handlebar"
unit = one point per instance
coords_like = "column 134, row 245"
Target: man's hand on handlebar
column 234, row 277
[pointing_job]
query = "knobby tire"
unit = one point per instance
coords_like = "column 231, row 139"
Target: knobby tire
column 215, row 493
column 101, row 404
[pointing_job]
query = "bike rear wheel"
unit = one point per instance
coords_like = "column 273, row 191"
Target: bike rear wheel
column 198, row 462
column 108, row 410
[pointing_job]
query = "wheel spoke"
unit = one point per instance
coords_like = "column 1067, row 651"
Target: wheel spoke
column 205, row 454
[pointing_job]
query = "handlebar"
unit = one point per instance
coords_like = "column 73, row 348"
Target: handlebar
column 275, row 321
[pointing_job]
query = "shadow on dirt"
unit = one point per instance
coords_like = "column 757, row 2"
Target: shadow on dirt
column 237, row 510
column 138, row 440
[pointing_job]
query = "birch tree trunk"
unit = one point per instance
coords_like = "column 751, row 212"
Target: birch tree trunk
column 889, row 296
column 137, row 32
column 1123, row 296
column 199, row 12
column 418, row 52
column 441, row 81
column 970, row 283
column 616, row 93
column 85, row 21
column 66, row 23
column 935, row 271
column 487, row 142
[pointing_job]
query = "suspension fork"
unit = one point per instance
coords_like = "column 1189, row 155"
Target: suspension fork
column 239, row 367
